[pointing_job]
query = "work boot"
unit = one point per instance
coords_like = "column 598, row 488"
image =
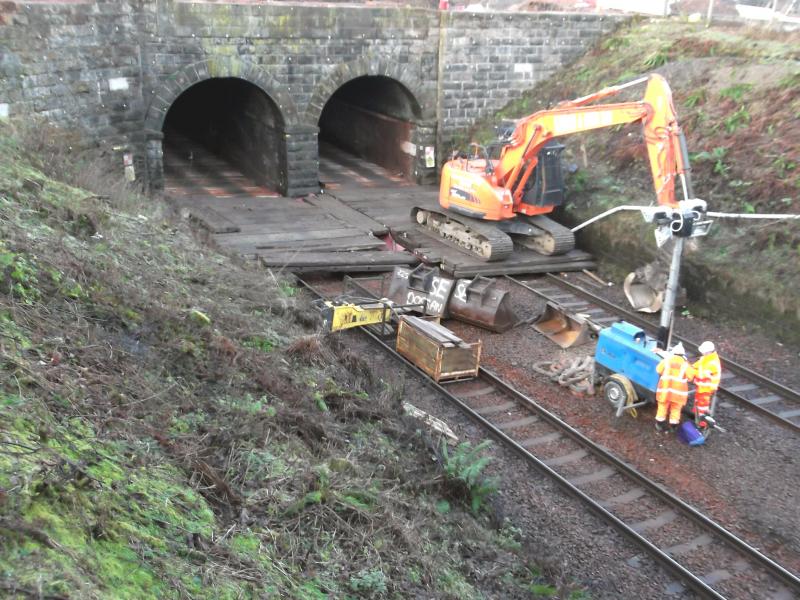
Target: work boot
column 673, row 427
column 661, row 426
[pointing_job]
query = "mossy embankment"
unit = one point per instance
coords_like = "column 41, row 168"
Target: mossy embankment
column 737, row 94
column 173, row 426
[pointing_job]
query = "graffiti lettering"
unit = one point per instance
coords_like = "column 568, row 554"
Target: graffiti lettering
column 434, row 306
column 461, row 290
column 440, row 288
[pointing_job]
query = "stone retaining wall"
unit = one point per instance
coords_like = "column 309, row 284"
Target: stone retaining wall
column 114, row 68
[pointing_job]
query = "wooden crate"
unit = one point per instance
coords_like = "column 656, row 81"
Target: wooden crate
column 437, row 350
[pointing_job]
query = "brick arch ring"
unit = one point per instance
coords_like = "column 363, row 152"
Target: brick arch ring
column 370, row 66
column 216, row 67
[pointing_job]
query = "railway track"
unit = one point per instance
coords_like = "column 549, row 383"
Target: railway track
column 739, row 383
column 703, row 556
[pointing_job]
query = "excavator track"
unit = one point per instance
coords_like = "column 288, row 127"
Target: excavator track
column 555, row 238
column 476, row 237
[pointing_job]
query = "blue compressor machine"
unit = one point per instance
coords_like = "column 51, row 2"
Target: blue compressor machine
column 625, row 366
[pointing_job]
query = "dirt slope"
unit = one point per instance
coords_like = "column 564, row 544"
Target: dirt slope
column 737, row 94
column 172, row 427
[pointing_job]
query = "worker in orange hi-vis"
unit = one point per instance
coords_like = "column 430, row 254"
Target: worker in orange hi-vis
column 708, row 372
column 673, row 387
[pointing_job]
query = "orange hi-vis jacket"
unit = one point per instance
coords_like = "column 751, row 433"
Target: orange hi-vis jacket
column 673, row 385
column 709, row 373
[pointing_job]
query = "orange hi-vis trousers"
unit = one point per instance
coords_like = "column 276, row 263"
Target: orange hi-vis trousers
column 702, row 402
column 673, row 388
column 673, row 408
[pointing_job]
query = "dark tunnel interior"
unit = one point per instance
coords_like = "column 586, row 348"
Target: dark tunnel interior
column 231, row 119
column 372, row 117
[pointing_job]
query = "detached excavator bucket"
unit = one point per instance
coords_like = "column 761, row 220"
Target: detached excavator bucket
column 479, row 301
column 421, row 285
column 641, row 295
column 565, row 329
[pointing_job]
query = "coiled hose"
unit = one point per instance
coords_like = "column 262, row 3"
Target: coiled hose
column 577, row 374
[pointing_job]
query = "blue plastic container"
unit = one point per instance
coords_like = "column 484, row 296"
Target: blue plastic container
column 689, row 434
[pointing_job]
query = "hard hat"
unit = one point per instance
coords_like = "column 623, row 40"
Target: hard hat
column 706, row 347
column 678, row 349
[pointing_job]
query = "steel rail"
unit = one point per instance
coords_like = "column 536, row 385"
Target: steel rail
column 656, row 489
column 736, row 368
column 686, row 577
column 683, row 574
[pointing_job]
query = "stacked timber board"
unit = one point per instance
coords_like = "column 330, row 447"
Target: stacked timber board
column 389, row 206
column 302, row 235
column 451, row 260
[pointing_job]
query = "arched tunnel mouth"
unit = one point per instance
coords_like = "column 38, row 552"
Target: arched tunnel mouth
column 372, row 118
column 221, row 125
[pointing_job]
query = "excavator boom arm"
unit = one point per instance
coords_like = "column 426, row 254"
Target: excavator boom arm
column 663, row 138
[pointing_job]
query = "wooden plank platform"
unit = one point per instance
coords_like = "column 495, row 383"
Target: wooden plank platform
column 318, row 232
column 392, row 207
column 337, row 230
column 347, row 214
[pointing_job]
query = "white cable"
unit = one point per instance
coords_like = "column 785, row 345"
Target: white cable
column 751, row 215
column 603, row 215
column 617, row 209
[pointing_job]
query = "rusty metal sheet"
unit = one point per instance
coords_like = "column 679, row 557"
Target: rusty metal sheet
column 481, row 302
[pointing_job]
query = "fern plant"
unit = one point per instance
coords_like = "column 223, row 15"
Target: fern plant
column 465, row 464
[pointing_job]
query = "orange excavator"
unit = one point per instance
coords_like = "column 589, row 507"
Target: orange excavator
column 487, row 200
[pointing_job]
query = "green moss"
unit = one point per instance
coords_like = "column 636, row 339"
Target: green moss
column 11, row 331
column 123, row 573
column 104, row 528
column 245, row 543
column 259, row 342
column 159, row 497
column 311, row 591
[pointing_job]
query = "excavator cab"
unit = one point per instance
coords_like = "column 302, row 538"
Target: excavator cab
column 546, row 184
column 545, row 187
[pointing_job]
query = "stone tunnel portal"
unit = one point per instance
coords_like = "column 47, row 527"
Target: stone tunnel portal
column 230, row 121
column 374, row 118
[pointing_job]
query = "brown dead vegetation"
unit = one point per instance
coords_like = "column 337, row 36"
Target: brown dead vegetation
column 224, row 372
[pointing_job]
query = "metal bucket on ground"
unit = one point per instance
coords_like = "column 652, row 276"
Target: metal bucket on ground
column 421, row 285
column 641, row 295
column 564, row 328
column 480, row 302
